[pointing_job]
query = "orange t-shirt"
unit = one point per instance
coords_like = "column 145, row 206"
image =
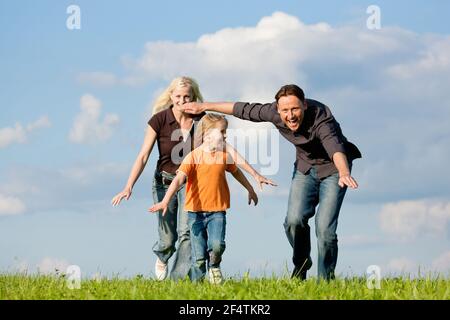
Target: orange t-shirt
column 207, row 188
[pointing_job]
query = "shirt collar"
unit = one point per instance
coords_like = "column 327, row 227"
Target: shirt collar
column 170, row 115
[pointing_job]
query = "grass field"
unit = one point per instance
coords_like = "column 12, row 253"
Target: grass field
column 17, row 286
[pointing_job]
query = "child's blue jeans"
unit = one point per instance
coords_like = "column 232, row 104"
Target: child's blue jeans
column 207, row 231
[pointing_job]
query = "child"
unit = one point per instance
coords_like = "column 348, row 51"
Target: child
column 207, row 195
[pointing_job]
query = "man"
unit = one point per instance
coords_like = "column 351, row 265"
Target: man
column 322, row 170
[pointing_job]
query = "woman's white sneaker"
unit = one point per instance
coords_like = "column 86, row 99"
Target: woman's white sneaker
column 160, row 270
column 215, row 276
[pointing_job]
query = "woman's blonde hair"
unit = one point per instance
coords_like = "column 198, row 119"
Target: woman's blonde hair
column 163, row 101
column 207, row 122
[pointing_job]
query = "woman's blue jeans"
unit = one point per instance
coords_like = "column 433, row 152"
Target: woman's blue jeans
column 306, row 193
column 172, row 226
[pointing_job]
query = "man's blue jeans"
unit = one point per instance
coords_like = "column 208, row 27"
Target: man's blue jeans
column 308, row 191
column 172, row 226
column 207, row 241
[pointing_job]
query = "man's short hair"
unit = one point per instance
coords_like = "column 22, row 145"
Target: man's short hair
column 290, row 90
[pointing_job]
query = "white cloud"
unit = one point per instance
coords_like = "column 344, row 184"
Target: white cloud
column 387, row 88
column 434, row 59
column 10, row 205
column 251, row 63
column 50, row 265
column 71, row 188
column 401, row 265
column 42, row 122
column 408, row 220
column 12, row 135
column 236, row 63
column 87, row 127
column 19, row 133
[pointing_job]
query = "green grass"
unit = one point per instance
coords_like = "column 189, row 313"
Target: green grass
column 20, row 286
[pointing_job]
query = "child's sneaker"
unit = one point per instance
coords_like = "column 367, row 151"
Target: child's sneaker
column 215, row 276
column 160, row 270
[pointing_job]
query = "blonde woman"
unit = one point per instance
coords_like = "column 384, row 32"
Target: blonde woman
column 173, row 130
column 207, row 196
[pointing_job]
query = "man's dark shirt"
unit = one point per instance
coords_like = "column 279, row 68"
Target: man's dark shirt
column 317, row 139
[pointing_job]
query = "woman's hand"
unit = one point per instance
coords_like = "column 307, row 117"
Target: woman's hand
column 159, row 206
column 252, row 196
column 263, row 180
column 126, row 193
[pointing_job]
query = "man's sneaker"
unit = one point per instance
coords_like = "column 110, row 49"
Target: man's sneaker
column 215, row 276
column 300, row 271
column 160, row 270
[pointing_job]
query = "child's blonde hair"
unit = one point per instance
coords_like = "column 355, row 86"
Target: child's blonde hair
column 164, row 101
column 207, row 122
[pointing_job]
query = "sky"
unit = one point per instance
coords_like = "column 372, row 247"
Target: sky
column 75, row 105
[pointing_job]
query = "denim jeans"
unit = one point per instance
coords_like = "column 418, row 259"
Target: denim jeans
column 307, row 191
column 207, row 241
column 172, row 226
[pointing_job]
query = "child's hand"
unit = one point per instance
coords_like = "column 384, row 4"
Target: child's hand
column 263, row 180
column 159, row 206
column 252, row 196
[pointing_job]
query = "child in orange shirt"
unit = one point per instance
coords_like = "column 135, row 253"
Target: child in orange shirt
column 207, row 195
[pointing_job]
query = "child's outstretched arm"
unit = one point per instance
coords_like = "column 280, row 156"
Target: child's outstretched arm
column 239, row 176
column 174, row 186
column 242, row 163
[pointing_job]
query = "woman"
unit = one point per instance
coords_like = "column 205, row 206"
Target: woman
column 173, row 129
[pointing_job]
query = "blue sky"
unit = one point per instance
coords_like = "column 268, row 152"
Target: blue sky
column 387, row 88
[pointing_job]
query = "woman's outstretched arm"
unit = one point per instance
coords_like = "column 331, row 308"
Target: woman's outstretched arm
column 138, row 167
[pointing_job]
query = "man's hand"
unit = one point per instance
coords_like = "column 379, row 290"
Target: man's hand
column 194, row 107
column 159, row 206
column 347, row 180
column 252, row 196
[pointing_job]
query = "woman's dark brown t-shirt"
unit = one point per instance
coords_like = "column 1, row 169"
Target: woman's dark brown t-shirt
column 171, row 146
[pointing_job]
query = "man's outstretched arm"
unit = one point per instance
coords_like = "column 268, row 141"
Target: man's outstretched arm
column 198, row 107
column 255, row 112
column 345, row 178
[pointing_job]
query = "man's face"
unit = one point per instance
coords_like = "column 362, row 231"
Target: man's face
column 291, row 111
